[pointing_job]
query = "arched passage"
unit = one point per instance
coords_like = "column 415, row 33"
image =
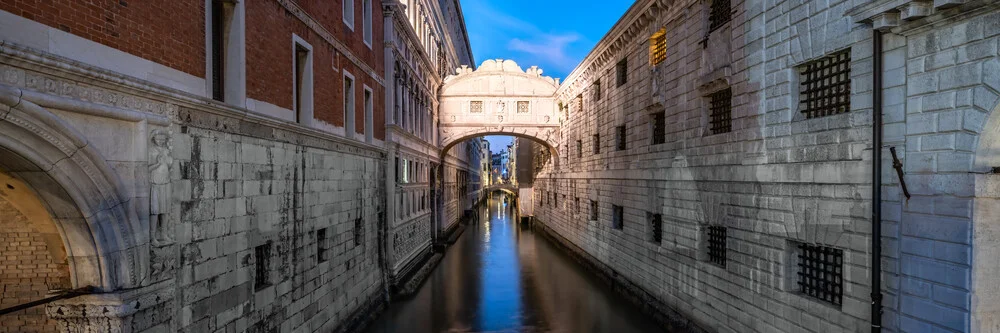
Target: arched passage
column 85, row 200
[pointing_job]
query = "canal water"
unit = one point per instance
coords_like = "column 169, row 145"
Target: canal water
column 503, row 277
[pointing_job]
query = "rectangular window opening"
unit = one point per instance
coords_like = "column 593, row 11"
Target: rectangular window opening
column 262, row 266
column 349, row 111
column 821, row 271
column 620, row 141
column 597, row 90
column 522, row 106
column 621, row 72
column 369, row 117
column 617, row 217
column 579, row 148
column 719, row 14
column 349, row 14
column 368, row 21
column 659, row 128
column 655, row 227
column 825, row 86
column 476, row 107
column 301, row 58
column 359, row 231
column 218, row 50
column 594, row 213
column 597, row 143
column 321, row 249
column 658, row 47
column 717, row 245
column 721, row 111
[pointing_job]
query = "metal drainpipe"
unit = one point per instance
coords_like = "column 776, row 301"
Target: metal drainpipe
column 876, row 282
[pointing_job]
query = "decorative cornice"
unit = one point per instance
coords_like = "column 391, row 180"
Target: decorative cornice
column 294, row 8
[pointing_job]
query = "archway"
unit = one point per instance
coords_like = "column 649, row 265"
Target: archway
column 55, row 167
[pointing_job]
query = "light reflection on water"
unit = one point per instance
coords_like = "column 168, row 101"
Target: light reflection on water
column 501, row 276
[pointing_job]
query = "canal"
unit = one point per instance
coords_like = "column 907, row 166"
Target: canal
column 501, row 276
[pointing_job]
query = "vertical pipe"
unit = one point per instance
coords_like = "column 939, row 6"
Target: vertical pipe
column 876, row 282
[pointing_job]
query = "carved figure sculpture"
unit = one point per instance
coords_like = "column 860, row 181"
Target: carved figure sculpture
column 160, row 163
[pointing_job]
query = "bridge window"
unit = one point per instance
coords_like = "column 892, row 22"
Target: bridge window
column 617, row 217
column 720, row 111
column 522, row 106
column 719, row 14
column 659, row 127
column 476, row 106
column 597, row 90
column 821, row 271
column 593, row 210
column 579, row 148
column 655, row 227
column 620, row 141
column 826, row 85
column 658, row 47
column 321, row 248
column 597, row 143
column 262, row 266
column 621, row 72
column 717, row 245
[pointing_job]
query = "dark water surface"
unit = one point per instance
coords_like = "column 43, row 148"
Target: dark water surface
column 503, row 277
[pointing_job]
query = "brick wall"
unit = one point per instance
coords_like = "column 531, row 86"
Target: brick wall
column 147, row 29
column 27, row 272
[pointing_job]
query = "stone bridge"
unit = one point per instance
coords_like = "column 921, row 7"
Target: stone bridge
column 502, row 99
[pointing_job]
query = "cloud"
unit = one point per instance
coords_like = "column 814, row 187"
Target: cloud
column 548, row 48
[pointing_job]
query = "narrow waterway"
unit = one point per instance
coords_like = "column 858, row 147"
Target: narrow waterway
column 501, row 276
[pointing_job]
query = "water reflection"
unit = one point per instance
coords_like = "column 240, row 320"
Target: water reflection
column 503, row 277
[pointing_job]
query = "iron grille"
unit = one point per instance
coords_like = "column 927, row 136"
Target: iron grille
column 579, row 103
column 821, row 272
column 658, row 47
column 597, row 143
column 593, row 210
column 476, row 106
column 826, row 85
column 721, row 111
column 597, row 90
column 218, row 59
column 522, row 106
column 621, row 71
column 321, row 245
column 618, row 217
column 579, row 148
column 620, row 137
column 262, row 255
column 717, row 245
column 719, row 14
column 656, row 228
column 659, row 128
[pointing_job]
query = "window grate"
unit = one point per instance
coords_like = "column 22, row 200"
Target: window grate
column 719, row 14
column 658, row 47
column 262, row 257
column 656, row 228
column 579, row 103
column 659, row 128
column 593, row 210
column 576, row 204
column 618, row 217
column 359, row 231
column 717, row 245
column 476, row 106
column 620, row 141
column 621, row 72
column 597, row 90
column 522, row 106
column 579, row 148
column 821, row 272
column 721, row 111
column 826, row 85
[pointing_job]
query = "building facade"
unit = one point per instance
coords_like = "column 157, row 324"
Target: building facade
column 717, row 162
column 214, row 165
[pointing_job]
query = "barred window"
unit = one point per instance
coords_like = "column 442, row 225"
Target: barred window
column 593, row 210
column 579, row 104
column 721, row 111
column 262, row 266
column 597, row 143
column 476, row 106
column 717, row 245
column 621, row 72
column 617, row 217
column 576, row 204
column 659, row 128
column 579, row 148
column 359, row 231
column 658, row 47
column 597, row 90
column 321, row 249
column 719, row 14
column 620, row 141
column 821, row 271
column 522, row 106
column 655, row 227
column 825, row 85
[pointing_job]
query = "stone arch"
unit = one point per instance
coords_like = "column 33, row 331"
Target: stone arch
column 82, row 194
column 985, row 307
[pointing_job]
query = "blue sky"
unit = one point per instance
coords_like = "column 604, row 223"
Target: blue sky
column 551, row 34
